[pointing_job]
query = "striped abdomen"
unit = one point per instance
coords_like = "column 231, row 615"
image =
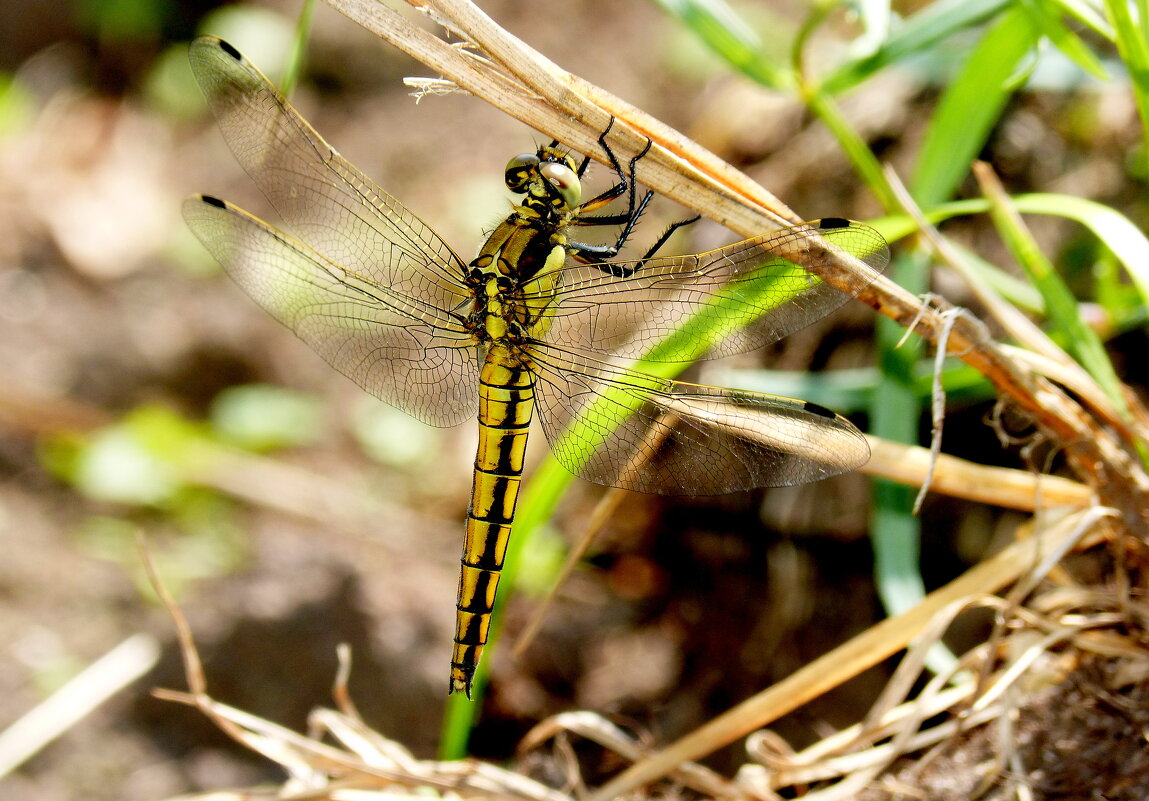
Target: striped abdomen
column 506, row 402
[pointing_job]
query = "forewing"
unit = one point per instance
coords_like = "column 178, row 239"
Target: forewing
column 324, row 199
column 627, row 429
column 730, row 300
column 410, row 354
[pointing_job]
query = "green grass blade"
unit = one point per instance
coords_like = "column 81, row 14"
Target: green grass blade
column 728, row 36
column 967, row 111
column 1060, row 304
column 918, row 34
column 1046, row 16
column 299, row 48
column 970, row 108
column 1132, row 38
column 1088, row 13
column 895, row 533
column 709, row 325
column 1113, row 229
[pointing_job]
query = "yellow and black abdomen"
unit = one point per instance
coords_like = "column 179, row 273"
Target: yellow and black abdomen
column 506, row 403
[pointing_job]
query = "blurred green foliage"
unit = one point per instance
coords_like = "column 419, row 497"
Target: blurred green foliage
column 261, row 417
column 148, row 469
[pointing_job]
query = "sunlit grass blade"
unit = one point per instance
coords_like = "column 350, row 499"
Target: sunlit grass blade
column 1091, row 14
column 718, row 26
column 1060, row 304
column 916, row 34
column 1132, row 38
column 1112, row 228
column 710, row 325
column 895, row 532
column 298, row 49
column 1047, row 17
column 970, row 108
column 1013, row 289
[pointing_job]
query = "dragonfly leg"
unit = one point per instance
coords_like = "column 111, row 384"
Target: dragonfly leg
column 621, row 187
column 670, row 229
column 599, row 255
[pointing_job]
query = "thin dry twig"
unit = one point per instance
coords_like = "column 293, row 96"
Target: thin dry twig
column 598, row 729
column 80, row 696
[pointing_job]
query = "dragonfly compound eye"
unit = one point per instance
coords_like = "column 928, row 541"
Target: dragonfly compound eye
column 519, row 171
column 565, row 182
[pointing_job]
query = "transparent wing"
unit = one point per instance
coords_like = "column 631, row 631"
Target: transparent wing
column 730, row 300
column 404, row 351
column 324, row 199
column 627, row 429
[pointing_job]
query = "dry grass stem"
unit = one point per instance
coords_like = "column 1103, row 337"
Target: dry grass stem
column 71, row 703
column 604, row 512
column 847, row 660
column 598, row 729
column 960, row 478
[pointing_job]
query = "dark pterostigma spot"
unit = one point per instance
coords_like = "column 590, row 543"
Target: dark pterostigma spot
column 829, row 223
column 231, row 51
column 818, row 409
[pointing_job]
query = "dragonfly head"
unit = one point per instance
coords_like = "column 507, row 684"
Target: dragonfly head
column 548, row 176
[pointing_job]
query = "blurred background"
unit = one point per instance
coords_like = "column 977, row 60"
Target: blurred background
column 144, row 394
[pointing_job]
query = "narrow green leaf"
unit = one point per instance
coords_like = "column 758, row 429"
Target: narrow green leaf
column 917, row 34
column 728, row 35
column 298, row 49
column 1132, row 38
column 1111, row 227
column 1088, row 13
column 970, row 108
column 1045, row 15
column 1060, row 304
column 1114, row 229
column 895, row 412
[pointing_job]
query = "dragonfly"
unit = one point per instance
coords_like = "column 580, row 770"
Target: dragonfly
column 537, row 326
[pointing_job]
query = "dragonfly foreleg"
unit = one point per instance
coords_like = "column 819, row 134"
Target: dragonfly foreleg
column 599, row 255
column 620, row 188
